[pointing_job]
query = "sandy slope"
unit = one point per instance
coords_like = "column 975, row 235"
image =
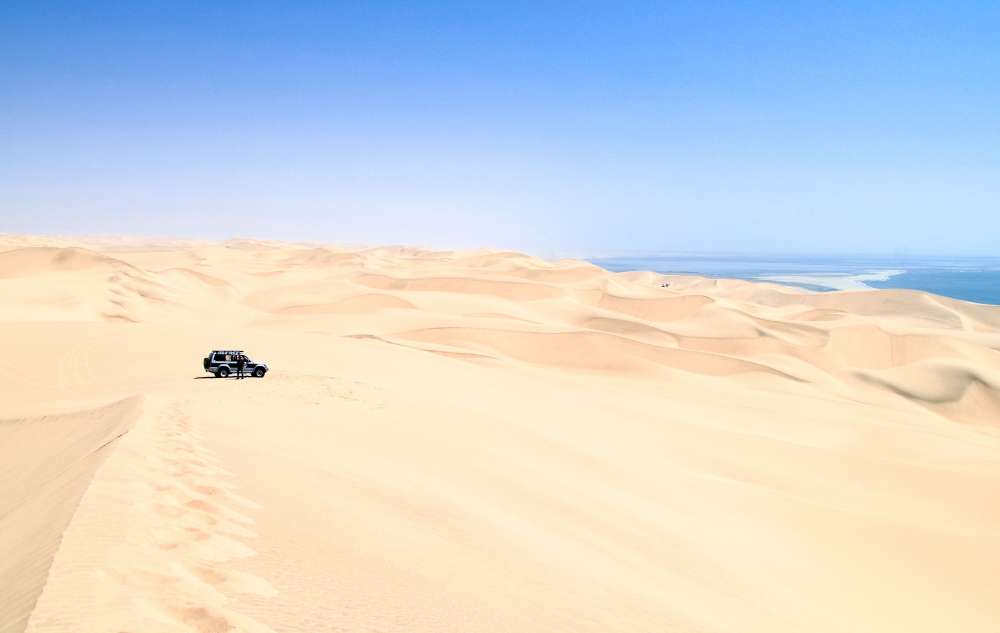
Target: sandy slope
column 483, row 441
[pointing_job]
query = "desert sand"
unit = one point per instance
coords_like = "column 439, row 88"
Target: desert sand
column 484, row 441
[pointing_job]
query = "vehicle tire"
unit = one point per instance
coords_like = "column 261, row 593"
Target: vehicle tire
column 259, row 372
column 223, row 372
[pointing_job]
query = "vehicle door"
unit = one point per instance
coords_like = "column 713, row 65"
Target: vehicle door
column 250, row 366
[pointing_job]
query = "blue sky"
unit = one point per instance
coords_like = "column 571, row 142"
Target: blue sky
column 571, row 128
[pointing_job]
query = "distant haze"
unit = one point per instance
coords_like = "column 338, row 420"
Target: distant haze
column 581, row 128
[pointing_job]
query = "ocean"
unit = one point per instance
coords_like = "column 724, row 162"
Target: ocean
column 974, row 279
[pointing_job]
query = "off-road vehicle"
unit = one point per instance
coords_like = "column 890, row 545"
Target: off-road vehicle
column 222, row 363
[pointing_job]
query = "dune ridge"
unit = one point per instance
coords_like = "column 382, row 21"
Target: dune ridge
column 484, row 440
column 46, row 465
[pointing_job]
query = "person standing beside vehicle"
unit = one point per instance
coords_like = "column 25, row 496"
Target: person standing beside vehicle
column 241, row 363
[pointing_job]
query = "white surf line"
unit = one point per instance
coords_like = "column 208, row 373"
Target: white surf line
column 835, row 281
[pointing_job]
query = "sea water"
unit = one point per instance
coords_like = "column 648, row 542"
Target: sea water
column 969, row 278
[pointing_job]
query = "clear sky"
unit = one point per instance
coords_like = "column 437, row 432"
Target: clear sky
column 572, row 128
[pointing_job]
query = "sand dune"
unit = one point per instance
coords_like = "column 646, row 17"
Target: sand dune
column 584, row 350
column 359, row 304
column 655, row 309
column 43, row 259
column 510, row 290
column 46, row 464
column 956, row 389
column 484, row 441
column 321, row 257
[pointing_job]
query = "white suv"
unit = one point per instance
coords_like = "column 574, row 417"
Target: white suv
column 222, row 362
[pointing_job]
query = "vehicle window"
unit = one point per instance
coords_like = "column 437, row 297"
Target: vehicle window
column 221, row 358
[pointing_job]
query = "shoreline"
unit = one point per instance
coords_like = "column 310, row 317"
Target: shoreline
column 835, row 281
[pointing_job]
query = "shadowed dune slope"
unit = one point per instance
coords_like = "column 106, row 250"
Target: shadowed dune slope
column 43, row 259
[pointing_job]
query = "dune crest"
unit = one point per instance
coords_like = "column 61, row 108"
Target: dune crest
column 46, row 466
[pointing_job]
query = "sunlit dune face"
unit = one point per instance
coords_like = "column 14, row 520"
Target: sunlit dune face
column 484, row 441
